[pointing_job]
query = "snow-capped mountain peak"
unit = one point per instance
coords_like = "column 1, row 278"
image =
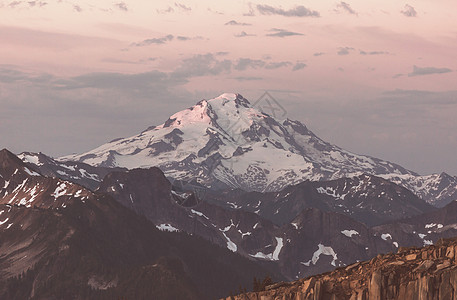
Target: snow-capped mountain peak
column 226, row 141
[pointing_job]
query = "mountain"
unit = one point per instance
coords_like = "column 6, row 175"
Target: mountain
column 366, row 198
column 437, row 189
column 59, row 240
column 80, row 173
column 411, row 273
column 422, row 230
column 309, row 237
column 226, row 142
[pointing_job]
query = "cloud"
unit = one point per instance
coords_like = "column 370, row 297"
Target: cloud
column 121, row 6
column 373, row 52
column 14, row 4
column 154, row 41
column 167, row 10
column 276, row 65
column 299, row 66
column 26, row 4
column 244, row 63
column 409, row 11
column 343, row 6
column 297, row 11
column 318, row 54
column 215, row 11
column 77, row 8
column 277, row 32
column 37, row 3
column 244, row 34
column 247, row 78
column 344, row 50
column 235, row 23
column 417, row 71
column 183, row 7
column 177, row 6
column 202, row 65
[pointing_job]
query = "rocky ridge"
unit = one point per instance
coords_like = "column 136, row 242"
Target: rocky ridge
column 412, row 273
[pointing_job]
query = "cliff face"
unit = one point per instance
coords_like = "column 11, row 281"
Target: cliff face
column 427, row 273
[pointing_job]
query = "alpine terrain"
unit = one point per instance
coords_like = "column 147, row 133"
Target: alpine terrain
column 227, row 142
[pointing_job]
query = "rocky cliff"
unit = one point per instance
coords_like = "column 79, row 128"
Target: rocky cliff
column 412, row 273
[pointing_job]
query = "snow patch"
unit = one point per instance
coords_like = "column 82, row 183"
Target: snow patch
column 271, row 256
column 167, row 227
column 386, row 236
column 30, row 172
column 349, row 233
column 60, row 190
column 322, row 250
column 199, row 214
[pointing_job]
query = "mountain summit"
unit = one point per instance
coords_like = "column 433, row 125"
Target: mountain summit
column 228, row 142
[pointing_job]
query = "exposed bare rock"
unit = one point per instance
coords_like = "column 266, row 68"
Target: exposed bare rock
column 427, row 273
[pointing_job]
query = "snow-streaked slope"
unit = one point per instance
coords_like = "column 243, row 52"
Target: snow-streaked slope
column 226, row 141
column 437, row 189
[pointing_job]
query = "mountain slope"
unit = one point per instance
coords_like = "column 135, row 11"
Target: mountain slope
column 437, row 189
column 70, row 243
column 365, row 198
column 77, row 172
column 226, row 141
column 425, row 273
column 147, row 192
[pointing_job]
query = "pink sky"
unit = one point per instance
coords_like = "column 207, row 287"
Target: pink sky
column 375, row 77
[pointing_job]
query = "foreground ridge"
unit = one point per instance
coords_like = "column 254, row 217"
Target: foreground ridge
column 411, row 273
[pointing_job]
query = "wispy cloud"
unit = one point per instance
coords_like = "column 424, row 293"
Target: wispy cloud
column 345, row 7
column 164, row 39
column 244, row 34
column 318, row 54
column 409, row 11
column 235, row 23
column 77, row 8
column 121, row 6
column 299, row 66
column 373, row 52
column 202, row 65
column 25, row 4
column 176, row 7
column 13, row 4
column 276, row 65
column 417, row 71
column 297, row 11
column 183, row 7
column 277, row 32
column 344, row 50
column 247, row 78
column 37, row 3
column 244, row 63
column 154, row 41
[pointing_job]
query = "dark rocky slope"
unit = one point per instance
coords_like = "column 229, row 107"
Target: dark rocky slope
column 61, row 241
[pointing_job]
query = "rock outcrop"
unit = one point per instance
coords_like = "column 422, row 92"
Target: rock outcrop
column 427, row 273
